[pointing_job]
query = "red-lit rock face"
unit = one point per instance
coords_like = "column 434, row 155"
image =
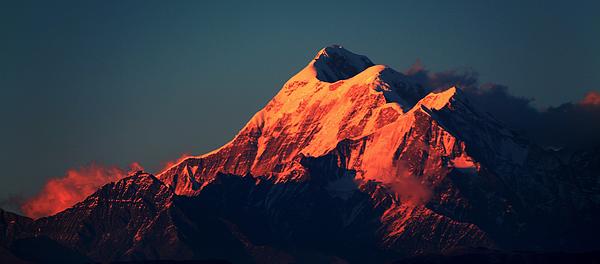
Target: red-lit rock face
column 403, row 146
column 308, row 117
column 390, row 132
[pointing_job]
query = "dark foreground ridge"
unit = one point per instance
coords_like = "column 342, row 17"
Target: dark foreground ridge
column 481, row 255
column 174, row 262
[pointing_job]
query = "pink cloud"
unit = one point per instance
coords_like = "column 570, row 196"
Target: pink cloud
column 63, row 192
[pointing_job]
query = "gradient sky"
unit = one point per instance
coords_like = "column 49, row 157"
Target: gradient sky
column 123, row 81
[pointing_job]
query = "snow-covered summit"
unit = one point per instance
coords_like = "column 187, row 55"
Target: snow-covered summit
column 334, row 63
column 339, row 96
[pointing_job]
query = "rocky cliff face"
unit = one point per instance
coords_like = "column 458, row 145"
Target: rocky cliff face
column 349, row 161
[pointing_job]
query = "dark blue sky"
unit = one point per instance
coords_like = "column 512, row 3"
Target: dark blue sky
column 122, row 81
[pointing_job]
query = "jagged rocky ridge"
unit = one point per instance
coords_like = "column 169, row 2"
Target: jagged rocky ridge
column 349, row 161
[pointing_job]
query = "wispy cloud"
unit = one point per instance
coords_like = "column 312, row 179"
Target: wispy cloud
column 63, row 192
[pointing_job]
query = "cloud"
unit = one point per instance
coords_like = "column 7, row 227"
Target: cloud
column 408, row 189
column 592, row 98
column 573, row 125
column 398, row 177
column 63, row 192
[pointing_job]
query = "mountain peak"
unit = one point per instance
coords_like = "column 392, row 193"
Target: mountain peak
column 438, row 100
column 334, row 63
column 335, row 49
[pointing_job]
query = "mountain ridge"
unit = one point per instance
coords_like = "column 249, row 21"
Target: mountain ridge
column 349, row 161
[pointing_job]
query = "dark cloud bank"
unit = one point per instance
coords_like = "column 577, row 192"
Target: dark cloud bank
column 573, row 125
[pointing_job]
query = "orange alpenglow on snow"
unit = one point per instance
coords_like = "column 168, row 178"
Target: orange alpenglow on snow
column 339, row 98
column 63, row 192
column 171, row 163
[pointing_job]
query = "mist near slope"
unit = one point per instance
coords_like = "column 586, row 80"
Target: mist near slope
column 63, row 192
